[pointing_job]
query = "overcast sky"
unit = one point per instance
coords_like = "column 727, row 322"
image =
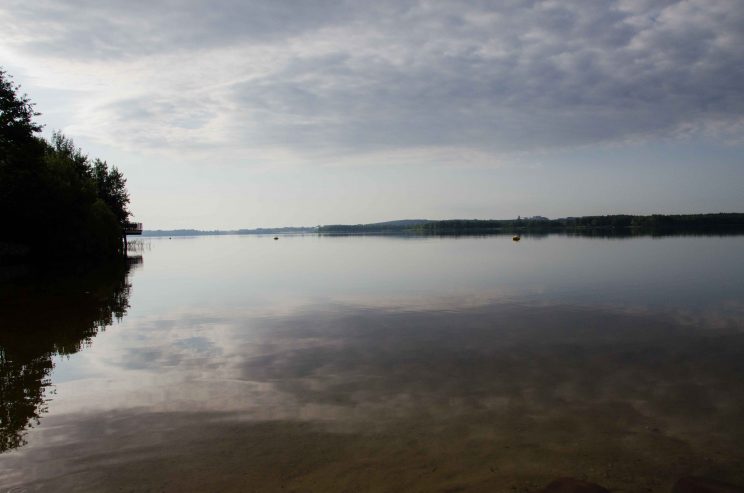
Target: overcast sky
column 248, row 113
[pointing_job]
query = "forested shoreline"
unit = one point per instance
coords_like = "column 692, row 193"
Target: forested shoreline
column 55, row 201
column 619, row 224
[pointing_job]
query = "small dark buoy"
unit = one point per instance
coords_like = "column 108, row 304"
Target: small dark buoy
column 276, row 237
column 516, row 238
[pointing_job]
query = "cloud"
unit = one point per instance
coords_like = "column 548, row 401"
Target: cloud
column 87, row 29
column 331, row 79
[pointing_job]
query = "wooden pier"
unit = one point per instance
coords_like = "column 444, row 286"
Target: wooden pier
column 133, row 229
column 130, row 229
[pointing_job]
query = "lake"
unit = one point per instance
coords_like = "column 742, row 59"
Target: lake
column 377, row 363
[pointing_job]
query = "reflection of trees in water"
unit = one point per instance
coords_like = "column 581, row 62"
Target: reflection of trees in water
column 45, row 315
column 22, row 394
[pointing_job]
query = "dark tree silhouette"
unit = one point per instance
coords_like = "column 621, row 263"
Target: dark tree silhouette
column 112, row 188
column 53, row 200
column 16, row 115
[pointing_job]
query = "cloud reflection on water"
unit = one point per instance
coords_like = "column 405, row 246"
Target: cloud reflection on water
column 544, row 379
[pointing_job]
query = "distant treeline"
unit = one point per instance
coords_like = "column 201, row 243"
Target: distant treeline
column 216, row 232
column 402, row 226
column 590, row 225
column 54, row 200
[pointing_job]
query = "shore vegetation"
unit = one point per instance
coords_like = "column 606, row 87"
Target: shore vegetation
column 55, row 201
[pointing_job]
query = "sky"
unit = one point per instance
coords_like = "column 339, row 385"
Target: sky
column 258, row 113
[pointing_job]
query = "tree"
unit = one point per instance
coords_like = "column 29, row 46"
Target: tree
column 16, row 115
column 21, row 157
column 54, row 200
column 112, row 189
column 63, row 149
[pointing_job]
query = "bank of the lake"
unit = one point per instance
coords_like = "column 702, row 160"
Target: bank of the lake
column 607, row 225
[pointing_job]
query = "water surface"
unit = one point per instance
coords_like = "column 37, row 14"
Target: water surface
column 378, row 364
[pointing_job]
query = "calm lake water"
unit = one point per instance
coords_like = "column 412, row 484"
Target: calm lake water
column 240, row 363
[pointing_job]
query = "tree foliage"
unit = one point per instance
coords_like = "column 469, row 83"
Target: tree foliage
column 54, row 200
column 111, row 187
column 16, row 115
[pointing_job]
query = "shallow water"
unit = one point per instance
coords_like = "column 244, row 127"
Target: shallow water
column 378, row 364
